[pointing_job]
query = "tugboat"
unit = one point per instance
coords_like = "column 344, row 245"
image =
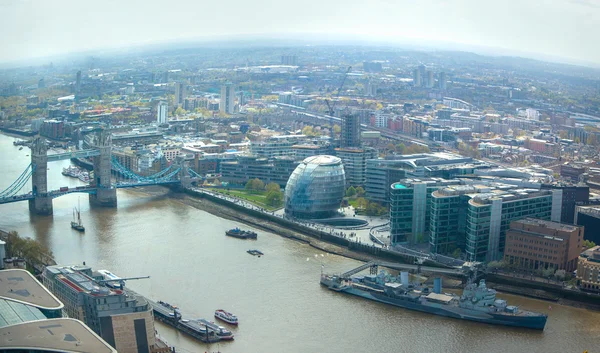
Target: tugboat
column 76, row 222
column 241, row 234
column 226, row 317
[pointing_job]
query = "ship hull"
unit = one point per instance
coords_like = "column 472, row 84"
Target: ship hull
column 531, row 322
column 241, row 235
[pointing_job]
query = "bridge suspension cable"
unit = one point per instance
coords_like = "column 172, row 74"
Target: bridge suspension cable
column 193, row 174
column 128, row 174
column 18, row 184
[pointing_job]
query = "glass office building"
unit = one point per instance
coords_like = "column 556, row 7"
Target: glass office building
column 410, row 208
column 315, row 188
column 489, row 216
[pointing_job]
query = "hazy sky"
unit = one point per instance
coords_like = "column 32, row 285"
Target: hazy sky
column 561, row 28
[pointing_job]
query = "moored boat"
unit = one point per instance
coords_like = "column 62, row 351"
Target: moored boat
column 241, row 234
column 226, row 316
column 477, row 303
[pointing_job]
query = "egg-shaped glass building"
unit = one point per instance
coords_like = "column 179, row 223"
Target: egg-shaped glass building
column 316, row 188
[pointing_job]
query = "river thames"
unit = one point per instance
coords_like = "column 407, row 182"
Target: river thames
column 277, row 297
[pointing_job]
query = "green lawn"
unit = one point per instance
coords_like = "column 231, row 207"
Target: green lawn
column 256, row 198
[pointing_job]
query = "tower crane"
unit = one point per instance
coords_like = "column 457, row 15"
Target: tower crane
column 121, row 281
column 330, row 107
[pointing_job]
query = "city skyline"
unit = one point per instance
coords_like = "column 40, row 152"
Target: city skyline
column 517, row 28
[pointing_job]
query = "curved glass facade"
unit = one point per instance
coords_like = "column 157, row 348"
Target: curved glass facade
column 315, row 188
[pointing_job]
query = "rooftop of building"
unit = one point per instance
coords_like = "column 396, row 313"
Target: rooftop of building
column 592, row 254
column 506, row 195
column 547, row 224
column 74, row 278
column 409, row 182
column 13, row 313
column 323, row 160
column 20, row 286
column 54, row 335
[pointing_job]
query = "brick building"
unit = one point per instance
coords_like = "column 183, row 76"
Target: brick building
column 537, row 244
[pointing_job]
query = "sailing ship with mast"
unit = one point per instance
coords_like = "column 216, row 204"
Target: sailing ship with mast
column 76, row 222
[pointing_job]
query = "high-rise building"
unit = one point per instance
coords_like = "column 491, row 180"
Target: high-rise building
column 535, row 244
column 372, row 66
column 161, row 113
column 423, row 75
column 355, row 164
column 410, row 208
column 180, row 93
column 227, row 102
column 489, row 216
column 41, row 83
column 121, row 317
column 416, row 78
column 78, row 82
column 291, row 60
column 589, row 217
column 429, row 81
column 350, row 131
column 442, row 81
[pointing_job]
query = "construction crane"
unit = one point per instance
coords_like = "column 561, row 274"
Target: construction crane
column 331, row 111
column 121, row 281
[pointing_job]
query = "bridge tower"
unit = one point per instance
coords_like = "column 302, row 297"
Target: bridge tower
column 183, row 175
column 106, row 194
column 42, row 203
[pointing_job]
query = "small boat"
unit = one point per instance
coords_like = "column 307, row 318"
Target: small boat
column 76, row 222
column 255, row 252
column 20, row 148
column 226, row 316
column 219, row 331
column 241, row 234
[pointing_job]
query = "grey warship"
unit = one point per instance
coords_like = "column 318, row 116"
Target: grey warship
column 477, row 302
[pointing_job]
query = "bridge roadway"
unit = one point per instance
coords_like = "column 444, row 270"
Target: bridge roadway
column 73, row 154
column 399, row 266
column 88, row 189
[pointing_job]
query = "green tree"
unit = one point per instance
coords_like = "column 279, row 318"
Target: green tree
column 362, row 203
column 272, row 187
column 560, row 274
column 588, row 244
column 337, row 129
column 34, row 252
column 456, row 253
column 548, row 272
column 180, row 111
column 350, row 192
column 360, row 192
column 249, row 185
column 274, row 198
column 258, row 184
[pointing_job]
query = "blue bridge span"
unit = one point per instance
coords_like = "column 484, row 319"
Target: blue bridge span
column 102, row 188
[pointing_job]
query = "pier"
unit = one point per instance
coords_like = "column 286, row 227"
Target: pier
column 197, row 329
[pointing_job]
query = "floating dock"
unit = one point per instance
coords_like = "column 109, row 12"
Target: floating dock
column 171, row 316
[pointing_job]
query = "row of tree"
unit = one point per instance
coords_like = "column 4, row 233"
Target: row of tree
column 34, row 252
column 549, row 272
column 274, row 195
column 370, row 208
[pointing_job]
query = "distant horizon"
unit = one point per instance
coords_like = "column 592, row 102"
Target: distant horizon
column 297, row 40
column 563, row 30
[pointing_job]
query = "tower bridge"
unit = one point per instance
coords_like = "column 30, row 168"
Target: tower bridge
column 102, row 189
